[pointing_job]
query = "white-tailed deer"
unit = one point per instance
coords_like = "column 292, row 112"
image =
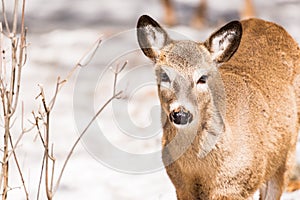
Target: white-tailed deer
column 200, row 12
column 229, row 108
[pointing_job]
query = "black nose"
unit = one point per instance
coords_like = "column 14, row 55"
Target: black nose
column 181, row 117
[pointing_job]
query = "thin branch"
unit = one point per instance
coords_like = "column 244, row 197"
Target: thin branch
column 9, row 94
column 42, row 95
column 18, row 167
column 39, row 130
column 25, row 47
column 53, row 168
column 3, row 98
column 46, row 142
column 41, row 177
column 14, row 146
column 20, row 62
column 15, row 18
column 83, row 62
column 11, row 91
column 116, row 72
column 48, row 191
column 5, row 165
column 12, row 188
column 89, row 54
column 2, row 51
column 58, row 83
column 115, row 95
column 22, row 132
column 79, row 138
column 44, row 115
column 4, row 17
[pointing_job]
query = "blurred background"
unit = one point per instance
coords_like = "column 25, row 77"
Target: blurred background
column 59, row 33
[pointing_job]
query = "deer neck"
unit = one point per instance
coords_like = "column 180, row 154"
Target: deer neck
column 211, row 129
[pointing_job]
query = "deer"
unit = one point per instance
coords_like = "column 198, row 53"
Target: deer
column 199, row 17
column 229, row 108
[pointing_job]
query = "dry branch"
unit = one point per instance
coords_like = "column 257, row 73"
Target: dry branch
column 9, row 90
column 81, row 135
column 43, row 118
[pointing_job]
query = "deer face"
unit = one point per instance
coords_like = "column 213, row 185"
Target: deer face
column 183, row 75
column 187, row 71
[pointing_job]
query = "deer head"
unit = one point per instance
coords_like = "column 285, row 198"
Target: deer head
column 189, row 86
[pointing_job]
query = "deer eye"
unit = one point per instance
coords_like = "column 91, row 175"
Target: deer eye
column 202, row 79
column 164, row 77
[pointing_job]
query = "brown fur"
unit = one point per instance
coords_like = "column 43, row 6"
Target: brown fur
column 249, row 145
column 267, row 74
column 293, row 186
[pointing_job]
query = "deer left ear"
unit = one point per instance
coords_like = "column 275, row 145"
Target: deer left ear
column 224, row 42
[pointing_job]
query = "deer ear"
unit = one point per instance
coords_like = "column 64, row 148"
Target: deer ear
column 224, row 42
column 151, row 37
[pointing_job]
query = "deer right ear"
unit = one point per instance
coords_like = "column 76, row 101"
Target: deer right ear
column 151, row 37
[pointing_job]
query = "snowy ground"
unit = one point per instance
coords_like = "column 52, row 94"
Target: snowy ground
column 126, row 164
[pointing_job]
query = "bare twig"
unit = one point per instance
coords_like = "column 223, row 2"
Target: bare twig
column 22, row 132
column 5, row 164
column 13, row 146
column 116, row 72
column 79, row 138
column 89, row 54
column 4, row 17
column 41, row 177
column 114, row 96
column 39, row 129
column 9, row 88
column 21, row 58
column 46, row 143
column 18, row 166
column 53, row 167
column 44, row 116
column 15, row 18
column 83, row 61
column 58, row 84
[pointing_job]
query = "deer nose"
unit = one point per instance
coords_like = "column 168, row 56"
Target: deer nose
column 181, row 116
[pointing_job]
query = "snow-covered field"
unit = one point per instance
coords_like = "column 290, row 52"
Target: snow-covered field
column 119, row 156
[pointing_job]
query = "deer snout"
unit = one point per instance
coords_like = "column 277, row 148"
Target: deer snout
column 181, row 116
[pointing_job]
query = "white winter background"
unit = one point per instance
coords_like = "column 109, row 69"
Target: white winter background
column 59, row 33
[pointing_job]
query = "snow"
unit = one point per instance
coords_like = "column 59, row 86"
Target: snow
column 60, row 32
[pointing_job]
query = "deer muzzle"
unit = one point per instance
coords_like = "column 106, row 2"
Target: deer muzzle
column 181, row 116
